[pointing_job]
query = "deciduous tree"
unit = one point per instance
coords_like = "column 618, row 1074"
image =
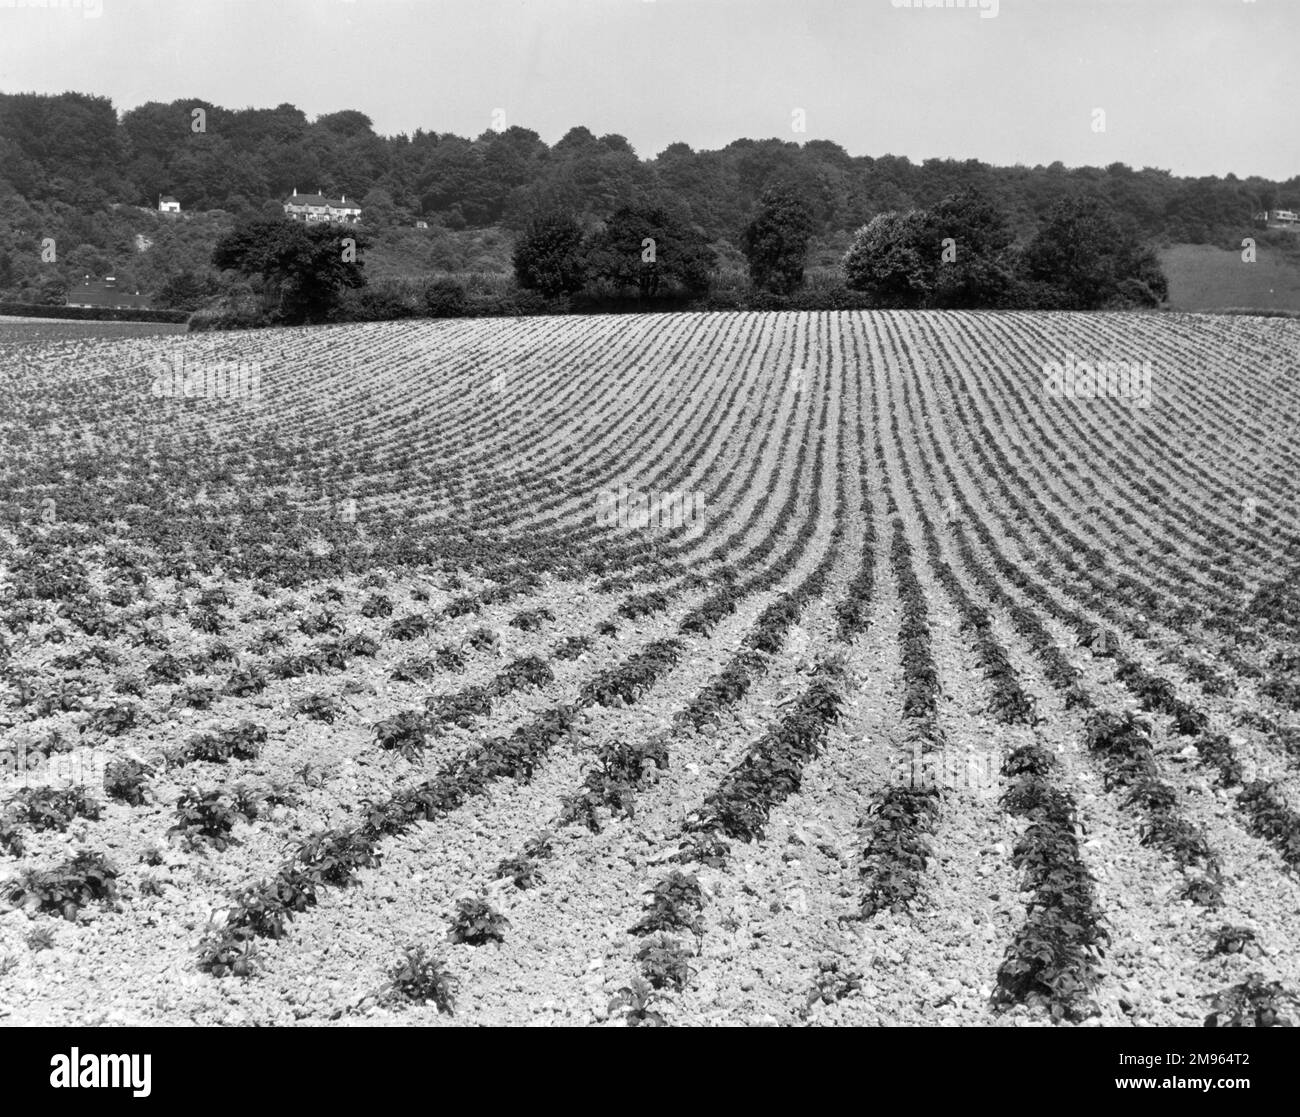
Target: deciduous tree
column 303, row 269
column 548, row 257
column 776, row 241
column 647, row 247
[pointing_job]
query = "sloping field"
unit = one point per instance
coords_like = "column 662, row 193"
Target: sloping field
column 824, row 668
column 1203, row 277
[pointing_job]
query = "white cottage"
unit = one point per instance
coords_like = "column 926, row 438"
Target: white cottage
column 316, row 207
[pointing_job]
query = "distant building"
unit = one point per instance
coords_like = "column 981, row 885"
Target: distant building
column 316, row 207
column 1287, row 217
column 168, row 204
column 105, row 292
column 421, row 224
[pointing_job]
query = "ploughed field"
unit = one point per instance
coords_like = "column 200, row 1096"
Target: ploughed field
column 820, row 668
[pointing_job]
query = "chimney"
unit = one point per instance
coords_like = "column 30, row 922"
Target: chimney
column 295, row 191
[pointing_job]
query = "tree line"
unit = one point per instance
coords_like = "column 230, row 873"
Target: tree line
column 71, row 166
column 960, row 253
column 75, row 148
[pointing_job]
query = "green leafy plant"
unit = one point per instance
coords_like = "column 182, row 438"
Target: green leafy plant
column 414, row 669
column 528, row 671
column 1271, row 818
column 893, row 865
column 247, row 801
column 279, row 793
column 619, row 774
column 205, row 619
column 524, row 871
column 195, row 697
column 243, row 683
column 1053, row 957
column 267, row 639
column 69, row 887
column 408, row 628
column 205, row 817
column 1206, row 890
column 676, row 904
column 1185, row 842
column 623, row 684
column 11, row 833
column 477, row 923
column 406, row 732
column 295, row 666
column 114, row 719
column 377, row 605
column 832, row 984
column 422, row 978
column 460, row 708
column 319, row 707
column 229, row 953
column 165, row 669
column 324, row 621
column 242, row 741
column 638, row 999
column 42, row 938
column 1253, row 1003
column 664, row 962
column 530, row 620
column 333, row 857
column 1230, row 939
column 360, row 644
column 48, row 808
column 483, row 640
column 129, row 684
column 217, row 651
column 708, row 847
column 125, row 778
column 571, row 647
column 1216, row 750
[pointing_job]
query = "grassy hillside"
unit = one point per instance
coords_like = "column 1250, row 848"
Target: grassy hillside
column 1203, row 277
column 406, row 253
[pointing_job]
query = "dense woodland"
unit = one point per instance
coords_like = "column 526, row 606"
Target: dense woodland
column 74, row 169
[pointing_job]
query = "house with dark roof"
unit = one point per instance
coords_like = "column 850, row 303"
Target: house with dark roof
column 105, row 292
column 317, row 207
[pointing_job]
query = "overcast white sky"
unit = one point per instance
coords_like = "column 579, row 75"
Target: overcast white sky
column 1194, row 86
